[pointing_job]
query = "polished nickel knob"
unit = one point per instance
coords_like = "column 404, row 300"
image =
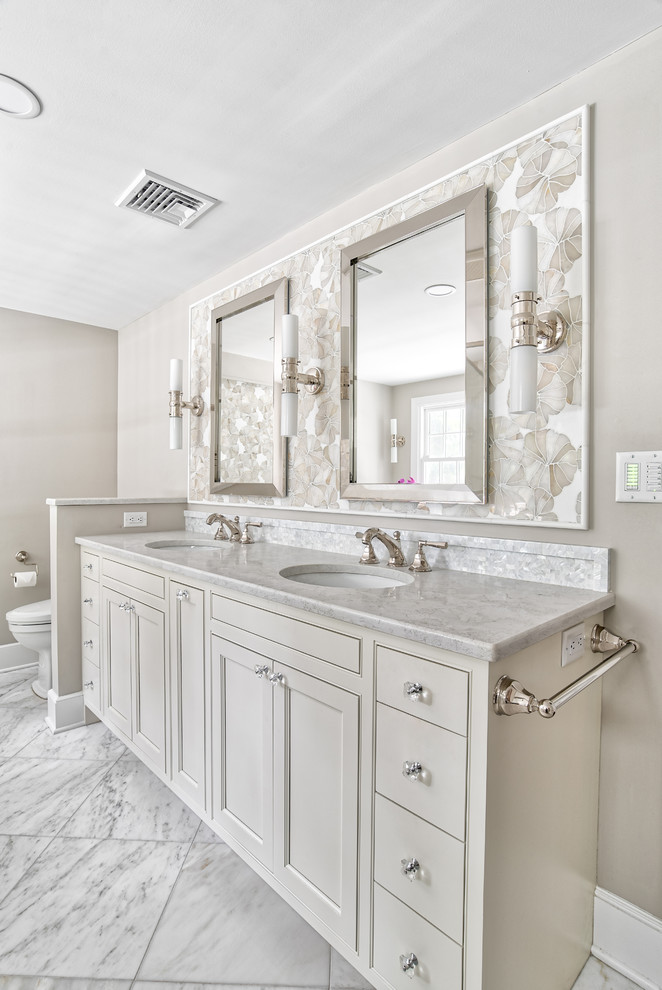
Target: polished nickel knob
column 410, row 868
column 412, row 690
column 87, row 567
column 261, row 669
column 87, row 601
column 411, row 769
column 127, row 607
column 88, row 642
column 408, row 964
column 181, row 595
column 277, row 678
column 88, row 684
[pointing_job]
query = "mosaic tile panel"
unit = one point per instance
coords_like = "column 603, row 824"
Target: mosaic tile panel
column 247, row 416
column 536, row 475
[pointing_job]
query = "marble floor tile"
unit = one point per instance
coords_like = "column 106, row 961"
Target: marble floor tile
column 596, row 976
column 52, row 983
column 37, row 797
column 9, row 678
column 87, row 908
column 152, row 985
column 224, row 924
column 18, row 727
column 205, row 834
column 89, row 742
column 16, row 691
column 17, row 854
column 132, row 803
column 344, row 976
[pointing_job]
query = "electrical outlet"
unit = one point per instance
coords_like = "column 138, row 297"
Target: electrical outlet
column 135, row 518
column 572, row 644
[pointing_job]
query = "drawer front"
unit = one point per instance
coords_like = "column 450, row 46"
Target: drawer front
column 90, row 632
column 153, row 584
column 400, row 932
column 89, row 565
column 89, row 597
column 436, row 887
column 438, row 794
column 306, row 637
column 422, row 688
column 91, row 686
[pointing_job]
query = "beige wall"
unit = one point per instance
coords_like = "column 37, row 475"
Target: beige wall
column 58, row 382
column 626, row 95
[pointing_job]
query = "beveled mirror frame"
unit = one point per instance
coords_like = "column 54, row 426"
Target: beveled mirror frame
column 473, row 206
column 279, row 292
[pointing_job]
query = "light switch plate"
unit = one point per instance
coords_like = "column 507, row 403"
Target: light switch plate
column 639, row 476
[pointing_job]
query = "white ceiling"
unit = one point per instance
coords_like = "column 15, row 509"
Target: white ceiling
column 281, row 109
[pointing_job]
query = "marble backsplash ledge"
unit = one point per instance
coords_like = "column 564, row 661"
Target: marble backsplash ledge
column 545, row 563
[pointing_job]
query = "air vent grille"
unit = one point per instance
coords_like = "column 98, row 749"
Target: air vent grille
column 366, row 271
column 164, row 199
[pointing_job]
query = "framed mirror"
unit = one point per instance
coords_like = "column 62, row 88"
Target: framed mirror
column 248, row 452
column 414, row 317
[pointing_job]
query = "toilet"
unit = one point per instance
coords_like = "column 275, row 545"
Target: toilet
column 30, row 625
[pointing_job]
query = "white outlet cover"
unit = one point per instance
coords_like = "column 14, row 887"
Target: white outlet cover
column 572, row 644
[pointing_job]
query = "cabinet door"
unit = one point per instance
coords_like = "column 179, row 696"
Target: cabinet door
column 116, row 660
column 187, row 679
column 241, row 747
column 149, row 669
column 316, row 783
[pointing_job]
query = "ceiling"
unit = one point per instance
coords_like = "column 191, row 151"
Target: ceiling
column 280, row 109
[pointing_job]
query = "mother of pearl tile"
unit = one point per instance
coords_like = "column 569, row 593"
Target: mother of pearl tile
column 223, row 921
column 132, row 803
column 17, row 853
column 37, row 797
column 88, row 908
column 18, row 727
column 89, row 742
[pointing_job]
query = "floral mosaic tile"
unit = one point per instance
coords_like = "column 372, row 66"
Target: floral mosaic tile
column 536, row 475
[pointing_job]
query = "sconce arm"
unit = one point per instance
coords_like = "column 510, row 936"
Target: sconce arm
column 177, row 404
column 291, row 377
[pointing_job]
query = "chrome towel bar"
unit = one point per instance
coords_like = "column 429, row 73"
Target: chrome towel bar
column 511, row 698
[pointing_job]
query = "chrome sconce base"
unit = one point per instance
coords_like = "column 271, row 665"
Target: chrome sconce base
column 291, row 377
column 177, row 404
column 545, row 331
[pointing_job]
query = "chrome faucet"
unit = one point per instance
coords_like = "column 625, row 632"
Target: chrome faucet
column 231, row 524
column 396, row 556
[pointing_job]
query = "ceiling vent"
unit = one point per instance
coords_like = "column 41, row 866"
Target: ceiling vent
column 366, row 271
column 164, row 199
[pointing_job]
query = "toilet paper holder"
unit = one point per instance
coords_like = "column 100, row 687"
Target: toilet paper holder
column 22, row 556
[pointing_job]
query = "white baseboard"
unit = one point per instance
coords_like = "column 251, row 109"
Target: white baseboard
column 65, row 711
column 13, row 656
column 627, row 939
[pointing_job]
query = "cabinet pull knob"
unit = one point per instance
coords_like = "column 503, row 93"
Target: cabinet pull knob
column 412, row 690
column 127, row 607
column 87, row 601
column 411, row 769
column 181, row 595
column 277, row 678
column 408, row 964
column 410, row 868
column 88, row 642
column 87, row 567
column 261, row 669
column 88, row 684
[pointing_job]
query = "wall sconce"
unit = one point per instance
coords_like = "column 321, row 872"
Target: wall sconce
column 291, row 378
column 396, row 441
column 532, row 333
column 177, row 404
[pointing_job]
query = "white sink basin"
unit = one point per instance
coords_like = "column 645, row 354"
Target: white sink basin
column 345, row 576
column 185, row 545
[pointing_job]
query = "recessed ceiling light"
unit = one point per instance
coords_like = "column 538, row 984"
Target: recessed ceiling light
column 441, row 289
column 16, row 100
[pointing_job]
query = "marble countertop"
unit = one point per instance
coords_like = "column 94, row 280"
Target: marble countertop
column 480, row 616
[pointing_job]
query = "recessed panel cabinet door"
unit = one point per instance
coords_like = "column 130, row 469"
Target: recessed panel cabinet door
column 149, row 733
column 241, row 746
column 117, row 659
column 316, row 784
column 187, row 680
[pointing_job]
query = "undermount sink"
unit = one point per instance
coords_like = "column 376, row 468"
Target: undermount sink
column 185, row 545
column 345, row 576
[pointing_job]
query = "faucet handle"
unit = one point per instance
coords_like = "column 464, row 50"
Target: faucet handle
column 236, row 534
column 368, row 556
column 246, row 536
column 420, row 563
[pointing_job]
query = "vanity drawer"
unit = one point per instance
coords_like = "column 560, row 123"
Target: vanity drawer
column 153, row 584
column 296, row 634
column 89, row 599
column 89, row 565
column 90, row 633
column 439, row 792
column 91, row 685
column 444, row 695
column 399, row 932
column 437, row 888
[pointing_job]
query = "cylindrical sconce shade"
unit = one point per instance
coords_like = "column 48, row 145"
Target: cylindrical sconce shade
column 524, row 259
column 523, row 378
column 176, row 374
column 289, row 414
column 394, row 435
column 175, row 433
column 290, row 340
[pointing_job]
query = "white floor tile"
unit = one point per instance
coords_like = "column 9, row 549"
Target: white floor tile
column 17, row 854
column 205, row 834
column 596, row 976
column 37, row 797
column 18, row 727
column 52, row 983
column 344, row 976
column 89, row 742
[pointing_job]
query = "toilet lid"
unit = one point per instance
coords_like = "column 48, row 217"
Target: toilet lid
column 33, row 614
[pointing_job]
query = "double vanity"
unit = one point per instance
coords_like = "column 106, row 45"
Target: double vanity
column 333, row 722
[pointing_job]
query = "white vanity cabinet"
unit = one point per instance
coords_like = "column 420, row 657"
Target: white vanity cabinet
column 188, row 691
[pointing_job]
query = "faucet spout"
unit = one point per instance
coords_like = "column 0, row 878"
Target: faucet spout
column 396, row 556
column 232, row 526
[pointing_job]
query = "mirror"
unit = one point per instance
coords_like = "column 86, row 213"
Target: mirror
column 248, row 451
column 414, row 305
